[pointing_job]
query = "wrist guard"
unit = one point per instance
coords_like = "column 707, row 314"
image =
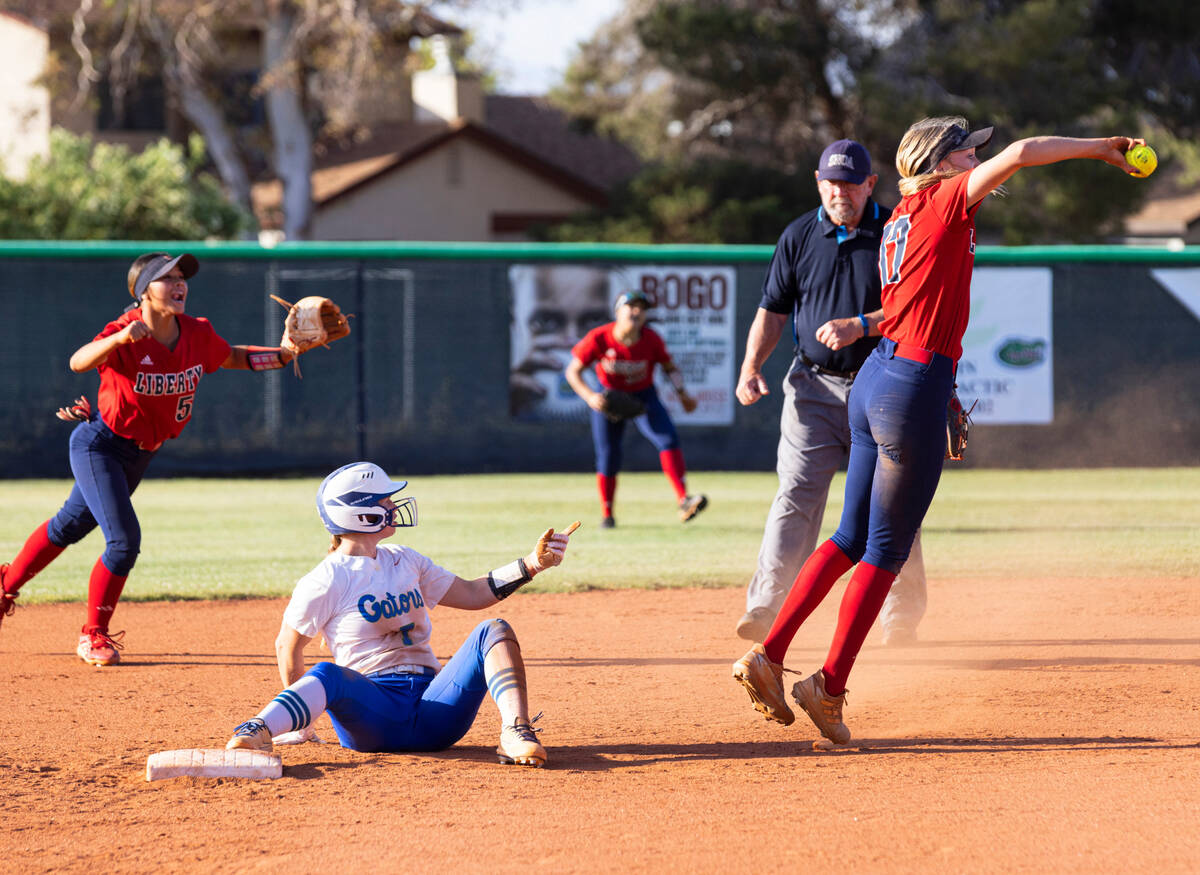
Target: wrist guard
column 507, row 580
column 264, row 358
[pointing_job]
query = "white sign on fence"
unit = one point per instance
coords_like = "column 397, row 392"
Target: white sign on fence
column 1007, row 362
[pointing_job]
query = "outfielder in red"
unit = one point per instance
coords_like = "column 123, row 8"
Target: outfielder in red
column 151, row 361
column 625, row 353
column 897, row 405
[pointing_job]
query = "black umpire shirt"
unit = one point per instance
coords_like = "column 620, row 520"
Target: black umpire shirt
column 817, row 278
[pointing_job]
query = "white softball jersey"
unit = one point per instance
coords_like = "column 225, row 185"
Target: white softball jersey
column 373, row 613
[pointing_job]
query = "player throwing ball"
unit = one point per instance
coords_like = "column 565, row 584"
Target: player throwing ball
column 151, row 361
column 625, row 352
column 385, row 690
column 897, row 405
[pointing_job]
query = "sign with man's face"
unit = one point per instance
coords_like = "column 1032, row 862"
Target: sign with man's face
column 554, row 306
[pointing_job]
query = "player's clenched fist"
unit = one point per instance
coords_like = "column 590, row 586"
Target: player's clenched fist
column 550, row 549
column 134, row 331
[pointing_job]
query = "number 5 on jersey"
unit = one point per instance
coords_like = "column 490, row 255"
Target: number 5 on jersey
column 891, row 251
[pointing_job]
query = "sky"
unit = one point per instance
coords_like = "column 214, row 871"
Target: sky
column 528, row 43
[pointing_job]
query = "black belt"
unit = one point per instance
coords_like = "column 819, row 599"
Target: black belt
column 828, row 372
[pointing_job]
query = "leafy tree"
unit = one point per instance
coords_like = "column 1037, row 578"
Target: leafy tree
column 318, row 61
column 772, row 81
column 84, row 191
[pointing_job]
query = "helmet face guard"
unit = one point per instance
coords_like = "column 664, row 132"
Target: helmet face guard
column 350, row 500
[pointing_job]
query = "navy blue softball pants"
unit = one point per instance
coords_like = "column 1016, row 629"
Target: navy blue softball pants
column 655, row 424
column 107, row 469
column 897, row 410
column 411, row 712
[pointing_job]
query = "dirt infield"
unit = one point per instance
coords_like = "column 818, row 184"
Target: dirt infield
column 1040, row 726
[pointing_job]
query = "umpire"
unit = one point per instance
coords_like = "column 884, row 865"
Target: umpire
column 825, row 275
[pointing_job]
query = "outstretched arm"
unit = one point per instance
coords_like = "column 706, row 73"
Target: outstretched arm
column 1036, row 151
column 483, row 592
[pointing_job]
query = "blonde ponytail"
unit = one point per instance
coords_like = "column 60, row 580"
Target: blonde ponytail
column 917, row 146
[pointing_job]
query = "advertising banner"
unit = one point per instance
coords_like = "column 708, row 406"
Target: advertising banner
column 555, row 305
column 1007, row 367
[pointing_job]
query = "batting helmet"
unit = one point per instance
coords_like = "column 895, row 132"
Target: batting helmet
column 350, row 500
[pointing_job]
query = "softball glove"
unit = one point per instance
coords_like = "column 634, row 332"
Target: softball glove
column 311, row 322
column 619, row 406
column 958, row 423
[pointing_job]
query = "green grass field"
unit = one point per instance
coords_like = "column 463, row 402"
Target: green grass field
column 241, row 538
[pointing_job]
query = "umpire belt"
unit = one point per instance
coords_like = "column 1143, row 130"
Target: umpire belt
column 827, row 372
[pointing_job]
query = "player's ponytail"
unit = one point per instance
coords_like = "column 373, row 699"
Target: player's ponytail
column 335, row 541
column 917, row 146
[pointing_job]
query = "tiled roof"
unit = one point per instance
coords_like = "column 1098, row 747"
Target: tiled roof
column 535, row 124
column 526, row 130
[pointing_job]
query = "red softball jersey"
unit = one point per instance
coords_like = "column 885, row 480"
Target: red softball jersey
column 146, row 390
column 925, row 264
column 627, row 368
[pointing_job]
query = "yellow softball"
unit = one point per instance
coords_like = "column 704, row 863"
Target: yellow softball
column 1143, row 158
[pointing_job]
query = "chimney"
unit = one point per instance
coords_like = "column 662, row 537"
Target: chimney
column 441, row 93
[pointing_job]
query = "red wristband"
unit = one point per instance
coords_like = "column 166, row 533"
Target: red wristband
column 264, row 358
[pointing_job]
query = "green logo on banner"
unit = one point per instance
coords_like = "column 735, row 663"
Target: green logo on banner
column 1018, row 352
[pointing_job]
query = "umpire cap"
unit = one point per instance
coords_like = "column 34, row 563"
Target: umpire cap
column 845, row 161
column 155, row 265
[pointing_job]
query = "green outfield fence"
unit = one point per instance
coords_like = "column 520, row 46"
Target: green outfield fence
column 421, row 385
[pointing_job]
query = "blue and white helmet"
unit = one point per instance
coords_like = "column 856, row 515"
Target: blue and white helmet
column 350, row 500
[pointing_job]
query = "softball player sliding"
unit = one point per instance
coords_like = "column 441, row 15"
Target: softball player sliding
column 151, row 361
column 625, row 353
column 385, row 690
column 897, row 405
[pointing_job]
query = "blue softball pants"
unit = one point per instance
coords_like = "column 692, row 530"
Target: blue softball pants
column 655, row 424
column 411, row 712
column 107, row 469
column 897, row 413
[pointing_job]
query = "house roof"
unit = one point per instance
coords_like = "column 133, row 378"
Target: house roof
column 540, row 127
column 535, row 137
column 1171, row 216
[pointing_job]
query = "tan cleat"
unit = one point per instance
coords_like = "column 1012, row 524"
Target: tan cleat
column 690, row 506
column 519, row 746
column 824, row 710
column 763, row 680
column 251, row 735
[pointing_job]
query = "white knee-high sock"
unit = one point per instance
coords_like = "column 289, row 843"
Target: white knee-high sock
column 296, row 707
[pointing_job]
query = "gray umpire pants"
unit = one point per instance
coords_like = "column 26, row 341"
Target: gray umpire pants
column 814, row 440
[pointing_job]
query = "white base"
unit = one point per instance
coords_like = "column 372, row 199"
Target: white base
column 200, row 763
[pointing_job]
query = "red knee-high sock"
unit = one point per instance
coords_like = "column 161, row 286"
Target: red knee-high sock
column 37, row 553
column 675, row 469
column 608, row 489
column 104, row 589
column 864, row 597
column 813, row 583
